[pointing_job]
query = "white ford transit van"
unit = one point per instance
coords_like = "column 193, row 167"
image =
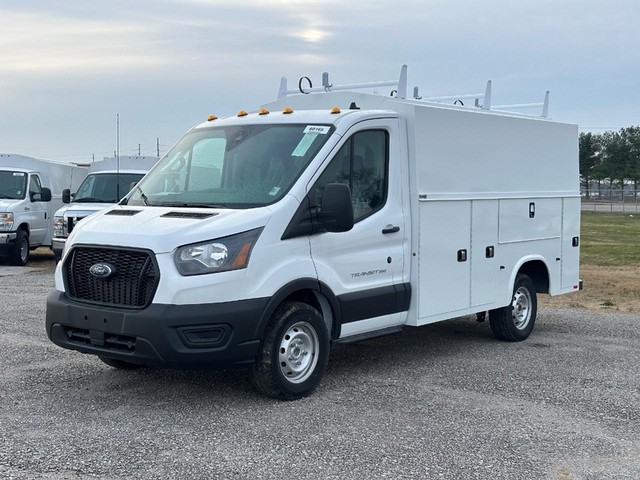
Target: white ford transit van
column 261, row 239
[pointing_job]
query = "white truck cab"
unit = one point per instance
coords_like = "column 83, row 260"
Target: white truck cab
column 261, row 239
column 30, row 191
column 108, row 180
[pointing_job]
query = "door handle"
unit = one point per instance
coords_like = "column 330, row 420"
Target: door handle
column 390, row 229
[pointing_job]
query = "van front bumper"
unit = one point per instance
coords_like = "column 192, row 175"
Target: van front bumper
column 57, row 245
column 7, row 237
column 219, row 335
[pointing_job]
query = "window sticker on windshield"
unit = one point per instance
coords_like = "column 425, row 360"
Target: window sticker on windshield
column 322, row 130
column 18, row 174
column 304, row 144
column 274, row 191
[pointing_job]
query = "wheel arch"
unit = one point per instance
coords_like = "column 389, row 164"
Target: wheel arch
column 537, row 270
column 311, row 292
column 24, row 226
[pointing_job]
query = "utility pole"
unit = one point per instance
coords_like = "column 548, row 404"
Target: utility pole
column 158, row 146
column 117, row 157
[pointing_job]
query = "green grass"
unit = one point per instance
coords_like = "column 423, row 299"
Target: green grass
column 610, row 239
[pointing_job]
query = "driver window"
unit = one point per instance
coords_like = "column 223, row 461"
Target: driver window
column 360, row 163
column 34, row 185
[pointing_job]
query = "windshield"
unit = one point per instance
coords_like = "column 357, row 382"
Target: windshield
column 106, row 187
column 13, row 185
column 236, row 167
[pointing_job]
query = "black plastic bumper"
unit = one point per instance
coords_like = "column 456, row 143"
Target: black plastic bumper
column 216, row 335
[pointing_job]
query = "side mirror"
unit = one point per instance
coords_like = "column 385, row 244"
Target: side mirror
column 66, row 196
column 43, row 196
column 336, row 211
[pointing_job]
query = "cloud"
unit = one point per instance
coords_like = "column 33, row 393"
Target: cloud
column 40, row 43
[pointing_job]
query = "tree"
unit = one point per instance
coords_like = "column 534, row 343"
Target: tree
column 616, row 154
column 590, row 148
column 631, row 138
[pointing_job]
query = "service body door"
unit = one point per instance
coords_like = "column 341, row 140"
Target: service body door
column 444, row 272
column 364, row 267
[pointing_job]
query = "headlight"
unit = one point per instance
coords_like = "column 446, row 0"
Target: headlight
column 220, row 255
column 58, row 226
column 6, row 222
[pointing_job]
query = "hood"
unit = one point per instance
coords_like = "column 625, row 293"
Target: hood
column 163, row 229
column 81, row 209
column 7, row 204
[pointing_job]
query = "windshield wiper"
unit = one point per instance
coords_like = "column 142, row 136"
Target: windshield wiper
column 91, row 200
column 2, row 195
column 145, row 200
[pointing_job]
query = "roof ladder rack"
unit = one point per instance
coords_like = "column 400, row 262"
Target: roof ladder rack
column 544, row 104
column 399, row 92
column 486, row 96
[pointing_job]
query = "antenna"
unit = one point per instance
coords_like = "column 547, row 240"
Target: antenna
column 117, row 157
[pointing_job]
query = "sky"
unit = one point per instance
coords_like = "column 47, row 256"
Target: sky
column 70, row 69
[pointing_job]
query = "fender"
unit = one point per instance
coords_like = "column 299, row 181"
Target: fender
column 514, row 272
column 298, row 290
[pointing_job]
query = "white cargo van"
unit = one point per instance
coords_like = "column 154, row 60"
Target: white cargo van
column 261, row 239
column 30, row 192
column 107, row 182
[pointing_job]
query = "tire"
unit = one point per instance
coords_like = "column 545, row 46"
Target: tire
column 120, row 364
column 20, row 253
column 514, row 322
column 294, row 353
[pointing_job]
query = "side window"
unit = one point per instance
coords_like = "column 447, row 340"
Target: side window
column 34, row 185
column 361, row 163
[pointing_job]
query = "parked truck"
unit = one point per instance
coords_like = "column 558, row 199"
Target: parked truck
column 327, row 216
column 30, row 192
column 107, row 182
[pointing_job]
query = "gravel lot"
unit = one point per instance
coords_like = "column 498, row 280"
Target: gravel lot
column 442, row 401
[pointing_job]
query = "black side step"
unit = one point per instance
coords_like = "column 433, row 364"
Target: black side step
column 368, row 335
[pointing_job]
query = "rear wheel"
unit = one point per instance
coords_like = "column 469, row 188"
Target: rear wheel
column 294, row 353
column 20, row 253
column 515, row 321
column 121, row 364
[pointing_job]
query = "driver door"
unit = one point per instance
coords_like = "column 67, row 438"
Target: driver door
column 364, row 266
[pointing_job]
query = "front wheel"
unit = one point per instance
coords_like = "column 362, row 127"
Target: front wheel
column 294, row 353
column 20, row 252
column 515, row 321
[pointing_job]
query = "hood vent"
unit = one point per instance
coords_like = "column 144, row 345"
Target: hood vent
column 123, row 213
column 188, row 215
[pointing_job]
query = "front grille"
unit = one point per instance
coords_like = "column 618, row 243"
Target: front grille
column 132, row 284
column 70, row 223
column 110, row 341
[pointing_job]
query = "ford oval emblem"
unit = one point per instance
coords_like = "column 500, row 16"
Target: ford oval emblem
column 102, row 270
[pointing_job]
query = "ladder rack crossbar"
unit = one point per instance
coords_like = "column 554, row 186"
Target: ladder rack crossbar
column 518, row 105
column 401, row 85
column 352, row 86
column 454, row 97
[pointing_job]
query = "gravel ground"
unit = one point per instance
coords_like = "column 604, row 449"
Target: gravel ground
column 441, row 401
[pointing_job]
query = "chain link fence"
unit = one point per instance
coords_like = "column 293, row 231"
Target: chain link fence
column 611, row 200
